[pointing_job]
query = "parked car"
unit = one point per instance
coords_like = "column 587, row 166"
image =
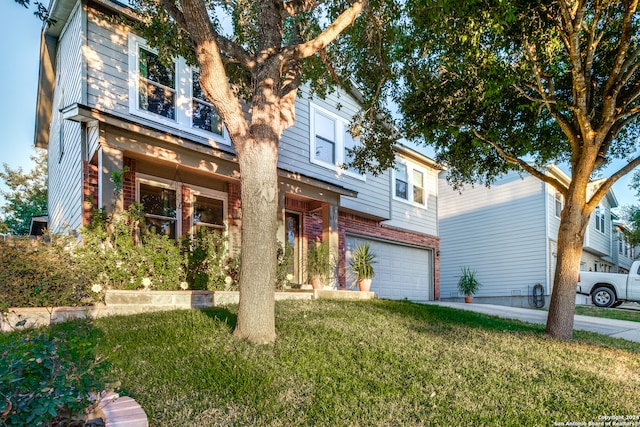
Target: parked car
column 611, row 289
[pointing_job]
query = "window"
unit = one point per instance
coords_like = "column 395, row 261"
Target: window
column 325, row 138
column 204, row 115
column 160, row 207
column 209, row 210
column 402, row 181
column 599, row 214
column 156, row 85
column 558, row 204
column 170, row 93
column 409, row 182
column 620, row 242
column 331, row 141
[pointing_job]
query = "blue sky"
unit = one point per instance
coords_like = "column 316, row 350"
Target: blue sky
column 19, row 46
column 20, row 41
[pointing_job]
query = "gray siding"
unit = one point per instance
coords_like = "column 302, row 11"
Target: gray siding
column 107, row 73
column 499, row 232
column 596, row 240
column 65, row 159
column 416, row 218
column 106, row 54
column 295, row 155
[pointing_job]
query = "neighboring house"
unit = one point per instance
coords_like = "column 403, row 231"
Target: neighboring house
column 106, row 104
column 622, row 253
column 507, row 234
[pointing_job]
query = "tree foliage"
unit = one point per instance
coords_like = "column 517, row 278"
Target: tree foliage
column 502, row 85
column 26, row 196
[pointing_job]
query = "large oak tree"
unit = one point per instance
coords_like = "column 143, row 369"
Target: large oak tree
column 502, row 85
column 252, row 76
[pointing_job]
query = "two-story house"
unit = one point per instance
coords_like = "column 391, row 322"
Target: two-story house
column 107, row 104
column 508, row 233
column 622, row 253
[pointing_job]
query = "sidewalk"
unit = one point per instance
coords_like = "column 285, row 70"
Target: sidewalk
column 614, row 328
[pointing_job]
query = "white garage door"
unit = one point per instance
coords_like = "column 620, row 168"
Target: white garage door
column 401, row 271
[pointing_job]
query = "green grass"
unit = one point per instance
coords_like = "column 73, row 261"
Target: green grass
column 609, row 313
column 371, row 363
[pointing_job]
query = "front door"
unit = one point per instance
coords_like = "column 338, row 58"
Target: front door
column 292, row 229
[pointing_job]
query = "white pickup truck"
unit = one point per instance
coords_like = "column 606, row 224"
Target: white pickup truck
column 611, row 289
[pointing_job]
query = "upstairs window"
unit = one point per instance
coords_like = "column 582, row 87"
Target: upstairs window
column 331, row 142
column 402, row 181
column 170, row 94
column 600, row 220
column 204, row 115
column 409, row 183
column 325, row 138
column 156, row 85
column 558, row 204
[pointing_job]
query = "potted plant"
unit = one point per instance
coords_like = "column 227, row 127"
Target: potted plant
column 468, row 284
column 320, row 265
column 361, row 265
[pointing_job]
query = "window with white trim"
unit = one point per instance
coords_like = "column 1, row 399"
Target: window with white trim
column 170, row 93
column 409, row 183
column 600, row 220
column 159, row 201
column 209, row 210
column 559, row 200
column 331, row 141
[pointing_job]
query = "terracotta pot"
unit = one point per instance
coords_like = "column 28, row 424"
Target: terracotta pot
column 468, row 299
column 316, row 283
column 364, row 285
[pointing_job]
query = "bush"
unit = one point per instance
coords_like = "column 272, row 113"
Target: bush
column 41, row 274
column 208, row 263
column 47, row 376
column 114, row 255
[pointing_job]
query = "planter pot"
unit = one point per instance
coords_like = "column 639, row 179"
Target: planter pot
column 468, row 299
column 364, row 285
column 316, row 283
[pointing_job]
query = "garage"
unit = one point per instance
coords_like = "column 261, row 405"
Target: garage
column 402, row 271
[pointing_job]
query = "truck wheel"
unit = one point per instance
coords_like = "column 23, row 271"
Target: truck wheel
column 616, row 304
column 603, row 297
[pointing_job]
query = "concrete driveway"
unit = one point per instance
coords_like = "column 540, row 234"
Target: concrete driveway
column 614, row 328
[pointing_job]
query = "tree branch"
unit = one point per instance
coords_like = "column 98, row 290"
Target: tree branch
column 608, row 183
column 524, row 165
column 623, row 46
column 345, row 19
column 296, row 7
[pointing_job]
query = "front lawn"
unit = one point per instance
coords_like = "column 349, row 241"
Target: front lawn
column 364, row 364
column 610, row 313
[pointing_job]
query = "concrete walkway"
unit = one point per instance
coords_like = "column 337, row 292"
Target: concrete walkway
column 614, row 328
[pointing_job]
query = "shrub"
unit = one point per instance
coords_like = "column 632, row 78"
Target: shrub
column 36, row 273
column 47, row 375
column 208, row 263
column 285, row 258
column 114, row 255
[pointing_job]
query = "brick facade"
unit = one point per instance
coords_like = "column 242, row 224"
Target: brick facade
column 354, row 224
column 350, row 223
column 89, row 190
column 129, row 183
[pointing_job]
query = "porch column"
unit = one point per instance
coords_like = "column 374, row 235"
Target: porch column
column 109, row 160
column 281, row 235
column 330, row 227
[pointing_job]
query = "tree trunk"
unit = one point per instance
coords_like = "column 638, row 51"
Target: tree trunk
column 573, row 223
column 259, row 188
